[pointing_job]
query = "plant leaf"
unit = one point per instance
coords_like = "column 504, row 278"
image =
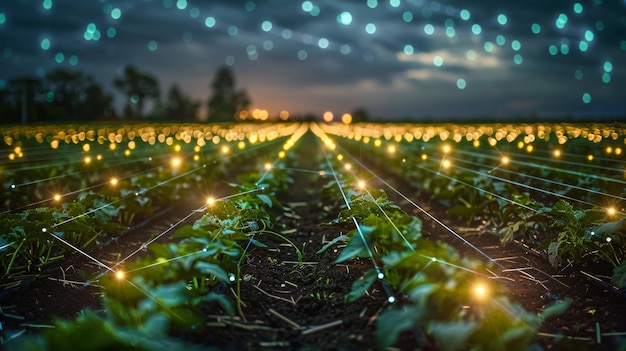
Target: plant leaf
column 266, row 199
column 343, row 238
column 555, row 309
column 360, row 286
column 452, row 335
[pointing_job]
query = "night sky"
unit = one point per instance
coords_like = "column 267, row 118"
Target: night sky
column 396, row 58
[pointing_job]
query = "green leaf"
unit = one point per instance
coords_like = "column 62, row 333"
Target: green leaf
column 391, row 323
column 452, row 335
column 355, row 246
column 461, row 211
column 266, row 199
column 619, row 276
column 360, row 286
column 343, row 238
column 211, row 269
column 610, row 228
column 555, row 309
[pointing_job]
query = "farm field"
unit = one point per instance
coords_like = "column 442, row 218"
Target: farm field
column 313, row 235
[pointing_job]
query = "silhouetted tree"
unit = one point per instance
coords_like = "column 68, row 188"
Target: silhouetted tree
column 25, row 98
column 226, row 102
column 360, row 115
column 180, row 106
column 138, row 86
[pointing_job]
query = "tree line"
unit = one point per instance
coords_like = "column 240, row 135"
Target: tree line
column 69, row 95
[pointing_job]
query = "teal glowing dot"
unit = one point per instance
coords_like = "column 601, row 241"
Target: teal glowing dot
column 500, row 40
column 586, row 98
column 134, row 98
column 111, row 32
column 323, row 43
column 181, row 4
column 450, row 32
column 461, row 83
column 59, row 57
column 561, row 21
column 372, row 4
column 194, row 12
column 47, row 4
column 407, row 16
column 600, row 26
column 535, row 28
column 229, row 60
column 370, row 28
column 564, row 49
column 438, row 61
column 589, row 36
column 429, row 29
column 73, row 60
column 516, row 45
column 232, row 31
column 606, row 78
column 449, row 23
column 45, row 44
column 168, row 4
column 153, row 45
column 116, row 13
column 91, row 28
column 622, row 45
column 315, row 11
column 583, row 46
column 578, row 74
column 465, row 15
column 408, row 49
column 249, row 6
column 286, row 34
column 3, row 18
column 266, row 26
column 471, row 55
column 97, row 35
column 518, row 59
column 608, row 66
column 476, row 29
column 344, row 18
column 488, row 46
column 553, row 50
column 307, row 6
column 49, row 96
column 578, row 8
column 502, row 19
column 268, row 45
column 187, row 37
column 394, row 3
column 345, row 49
column 302, row 55
column 209, row 22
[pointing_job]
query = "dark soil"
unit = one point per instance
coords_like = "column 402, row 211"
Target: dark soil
column 287, row 306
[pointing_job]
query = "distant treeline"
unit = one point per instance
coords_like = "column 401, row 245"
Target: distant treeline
column 67, row 95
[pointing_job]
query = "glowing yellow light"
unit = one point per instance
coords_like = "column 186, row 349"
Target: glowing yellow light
column 283, row 115
column 446, row 164
column 391, row 149
column 57, row 197
column 120, row 275
column 339, row 157
column 112, row 146
column 225, row 149
column 618, row 150
column 126, row 152
column 114, row 181
column 346, row 118
column 196, row 157
column 609, row 149
column 611, row 211
column 347, row 167
column 11, row 156
column 520, row 144
column 505, row 160
column 98, row 157
column 86, row 147
column 267, row 166
column 281, row 154
column 590, row 157
column 446, row 149
column 177, row 148
column 321, row 173
column 476, row 143
column 529, row 148
column 197, row 147
column 87, row 159
column 361, row 184
column 210, row 201
column 328, row 116
column 377, row 142
column 557, row 153
column 241, row 145
column 424, row 157
column 480, row 291
column 176, row 162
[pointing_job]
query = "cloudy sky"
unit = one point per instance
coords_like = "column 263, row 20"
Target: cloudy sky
column 396, row 58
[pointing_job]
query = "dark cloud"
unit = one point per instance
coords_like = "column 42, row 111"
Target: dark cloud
column 308, row 61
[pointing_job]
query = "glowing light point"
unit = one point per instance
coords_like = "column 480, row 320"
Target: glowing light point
column 391, row 149
column 321, row 173
column 44, row 230
column 424, row 157
column 557, row 153
column 608, row 239
column 210, row 201
column 225, row 149
column 590, row 157
column 434, row 259
column 505, row 160
column 114, row 181
column 391, row 299
column 361, row 184
column 176, row 162
column 446, row 164
column 232, row 278
column 380, row 275
column 480, row 291
column 347, row 167
column 611, row 211
column 57, row 197
column 267, row 166
column 446, row 149
column 120, row 275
